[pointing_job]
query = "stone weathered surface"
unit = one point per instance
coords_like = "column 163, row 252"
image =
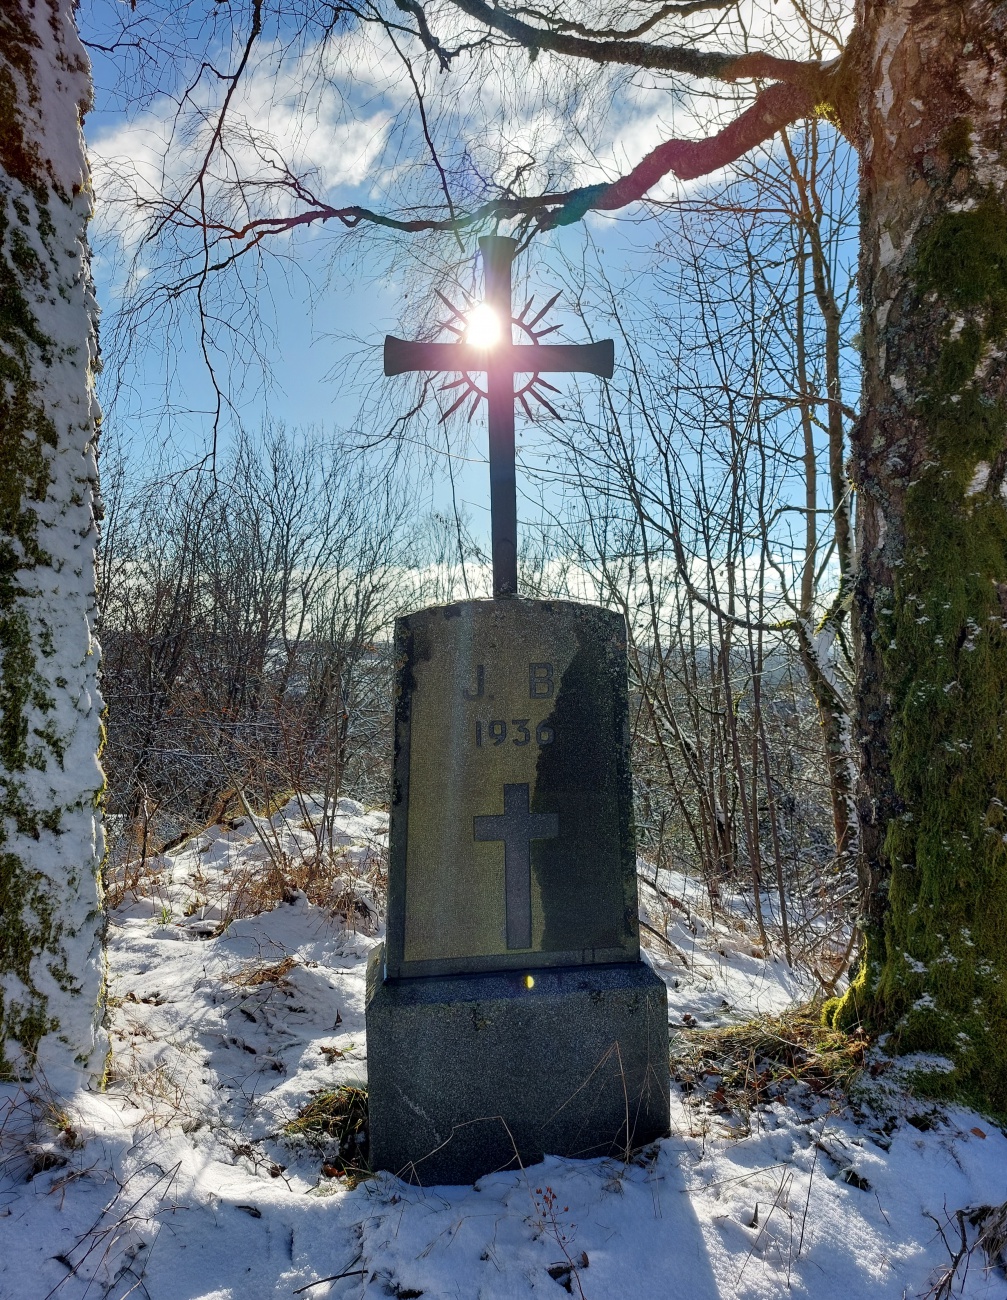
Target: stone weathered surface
column 511, row 821
column 509, row 1014
column 467, row 1073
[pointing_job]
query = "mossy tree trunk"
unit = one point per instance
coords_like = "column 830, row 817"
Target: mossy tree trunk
column 929, row 458
column 50, row 709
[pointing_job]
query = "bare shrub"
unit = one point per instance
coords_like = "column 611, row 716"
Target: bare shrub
column 244, row 621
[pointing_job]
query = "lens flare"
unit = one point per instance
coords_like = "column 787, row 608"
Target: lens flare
column 482, row 327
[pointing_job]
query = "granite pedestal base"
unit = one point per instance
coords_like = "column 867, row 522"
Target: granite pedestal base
column 468, row 1074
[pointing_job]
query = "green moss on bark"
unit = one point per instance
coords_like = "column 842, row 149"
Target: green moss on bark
column 936, row 977
column 27, row 924
column 956, row 142
column 38, row 910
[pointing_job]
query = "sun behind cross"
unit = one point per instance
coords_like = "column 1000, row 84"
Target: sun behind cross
column 473, row 352
column 478, row 324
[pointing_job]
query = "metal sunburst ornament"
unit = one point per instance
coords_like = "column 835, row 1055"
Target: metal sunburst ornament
column 478, row 325
column 481, row 349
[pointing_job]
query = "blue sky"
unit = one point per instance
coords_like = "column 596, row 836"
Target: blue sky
column 326, row 322
column 325, row 316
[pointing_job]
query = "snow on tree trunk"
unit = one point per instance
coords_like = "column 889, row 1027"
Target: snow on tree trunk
column 51, row 840
column 834, row 716
column 930, row 457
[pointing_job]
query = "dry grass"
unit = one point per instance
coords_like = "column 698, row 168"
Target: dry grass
column 742, row 1067
column 253, row 976
column 988, row 1239
column 272, row 867
column 164, row 1091
column 132, row 867
column 337, row 1121
column 329, row 881
column 36, row 1133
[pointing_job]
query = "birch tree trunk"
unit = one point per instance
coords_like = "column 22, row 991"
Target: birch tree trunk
column 929, row 458
column 51, row 840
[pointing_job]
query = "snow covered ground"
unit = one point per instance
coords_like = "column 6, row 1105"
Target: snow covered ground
column 179, row 1182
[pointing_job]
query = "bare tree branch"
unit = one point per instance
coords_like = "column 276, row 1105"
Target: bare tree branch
column 812, row 76
column 777, row 106
column 648, row 24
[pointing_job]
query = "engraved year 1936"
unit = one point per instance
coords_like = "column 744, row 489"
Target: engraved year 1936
column 496, row 732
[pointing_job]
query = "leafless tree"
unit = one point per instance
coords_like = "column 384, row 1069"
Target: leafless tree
column 245, row 617
column 716, row 512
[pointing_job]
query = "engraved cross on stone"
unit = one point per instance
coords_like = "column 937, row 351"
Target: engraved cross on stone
column 501, row 363
column 517, row 827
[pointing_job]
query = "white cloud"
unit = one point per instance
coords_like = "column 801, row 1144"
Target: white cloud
column 342, row 116
column 287, row 115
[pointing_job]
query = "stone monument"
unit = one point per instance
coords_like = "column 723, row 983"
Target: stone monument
column 508, row 1013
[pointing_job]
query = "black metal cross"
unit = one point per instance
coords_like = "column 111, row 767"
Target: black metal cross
column 501, row 363
column 517, row 827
